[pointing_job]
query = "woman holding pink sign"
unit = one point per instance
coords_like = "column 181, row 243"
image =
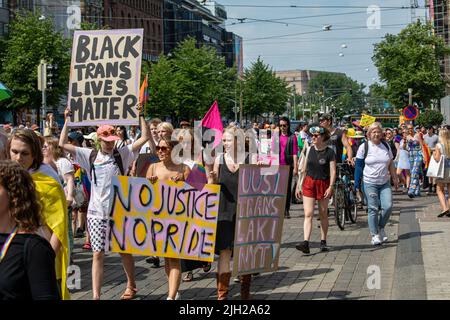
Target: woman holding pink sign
column 226, row 173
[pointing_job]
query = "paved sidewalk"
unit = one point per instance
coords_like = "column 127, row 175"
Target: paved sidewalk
column 435, row 238
column 341, row 273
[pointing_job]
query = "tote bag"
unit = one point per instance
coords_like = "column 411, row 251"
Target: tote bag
column 436, row 169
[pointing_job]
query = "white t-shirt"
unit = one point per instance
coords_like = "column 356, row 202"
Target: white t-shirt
column 64, row 167
column 376, row 168
column 105, row 169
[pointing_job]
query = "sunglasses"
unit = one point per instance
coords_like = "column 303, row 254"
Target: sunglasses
column 316, row 130
column 316, row 135
column 106, row 134
column 283, row 125
column 163, row 149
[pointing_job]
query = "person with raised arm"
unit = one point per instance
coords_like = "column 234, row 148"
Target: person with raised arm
column 102, row 166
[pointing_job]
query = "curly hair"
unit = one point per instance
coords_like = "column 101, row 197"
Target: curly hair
column 24, row 206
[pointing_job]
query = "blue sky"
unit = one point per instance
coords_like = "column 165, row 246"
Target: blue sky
column 301, row 43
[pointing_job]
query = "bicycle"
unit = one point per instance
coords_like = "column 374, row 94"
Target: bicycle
column 345, row 200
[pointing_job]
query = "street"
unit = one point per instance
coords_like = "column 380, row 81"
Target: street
column 412, row 265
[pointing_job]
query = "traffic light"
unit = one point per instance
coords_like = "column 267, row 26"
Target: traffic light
column 51, row 74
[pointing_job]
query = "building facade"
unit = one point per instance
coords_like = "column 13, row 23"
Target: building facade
column 133, row 14
column 4, row 17
column 300, row 79
column 205, row 22
column 440, row 19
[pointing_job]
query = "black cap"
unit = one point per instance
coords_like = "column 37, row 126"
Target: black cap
column 326, row 116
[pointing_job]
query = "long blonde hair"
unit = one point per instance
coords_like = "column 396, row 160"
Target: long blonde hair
column 444, row 140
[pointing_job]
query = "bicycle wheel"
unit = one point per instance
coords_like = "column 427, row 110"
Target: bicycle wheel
column 352, row 209
column 339, row 206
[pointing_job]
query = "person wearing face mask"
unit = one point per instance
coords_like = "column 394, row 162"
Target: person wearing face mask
column 374, row 163
column 102, row 166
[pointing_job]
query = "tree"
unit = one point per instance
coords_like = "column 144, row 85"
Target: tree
column 30, row 40
column 339, row 90
column 411, row 60
column 187, row 83
column 263, row 92
column 430, row 118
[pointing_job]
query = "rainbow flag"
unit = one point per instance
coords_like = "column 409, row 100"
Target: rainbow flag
column 54, row 211
column 143, row 92
column 197, row 177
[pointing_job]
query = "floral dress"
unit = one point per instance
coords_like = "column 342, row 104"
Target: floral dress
column 415, row 160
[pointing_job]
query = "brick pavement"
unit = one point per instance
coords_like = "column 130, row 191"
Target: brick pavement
column 435, row 240
column 338, row 274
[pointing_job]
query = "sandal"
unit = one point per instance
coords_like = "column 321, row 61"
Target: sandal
column 129, row 294
column 207, row 267
column 87, row 246
column 188, row 277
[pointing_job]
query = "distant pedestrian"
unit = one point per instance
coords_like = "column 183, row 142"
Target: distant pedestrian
column 288, row 155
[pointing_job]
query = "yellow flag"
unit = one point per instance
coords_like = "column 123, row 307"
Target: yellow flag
column 54, row 211
column 366, row 120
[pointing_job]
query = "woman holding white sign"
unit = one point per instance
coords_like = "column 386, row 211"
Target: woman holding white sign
column 226, row 173
column 166, row 169
column 102, row 166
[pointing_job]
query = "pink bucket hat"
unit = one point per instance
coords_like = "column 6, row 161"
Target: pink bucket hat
column 107, row 133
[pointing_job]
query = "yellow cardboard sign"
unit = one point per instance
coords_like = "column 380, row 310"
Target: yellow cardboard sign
column 366, row 120
column 164, row 219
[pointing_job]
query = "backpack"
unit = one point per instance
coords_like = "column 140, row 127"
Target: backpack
column 117, row 160
column 366, row 147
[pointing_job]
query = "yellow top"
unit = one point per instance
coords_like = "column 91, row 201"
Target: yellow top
column 54, row 211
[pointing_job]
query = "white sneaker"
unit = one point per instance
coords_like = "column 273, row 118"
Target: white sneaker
column 178, row 296
column 376, row 241
column 383, row 235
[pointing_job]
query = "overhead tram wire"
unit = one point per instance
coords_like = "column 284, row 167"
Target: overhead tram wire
column 317, row 31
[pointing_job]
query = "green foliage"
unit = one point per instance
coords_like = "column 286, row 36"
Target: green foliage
column 410, row 60
column 29, row 41
column 339, row 90
column 186, row 84
column 263, row 92
column 429, row 118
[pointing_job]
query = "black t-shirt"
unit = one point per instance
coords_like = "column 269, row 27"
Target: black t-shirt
column 27, row 271
column 318, row 165
column 335, row 143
